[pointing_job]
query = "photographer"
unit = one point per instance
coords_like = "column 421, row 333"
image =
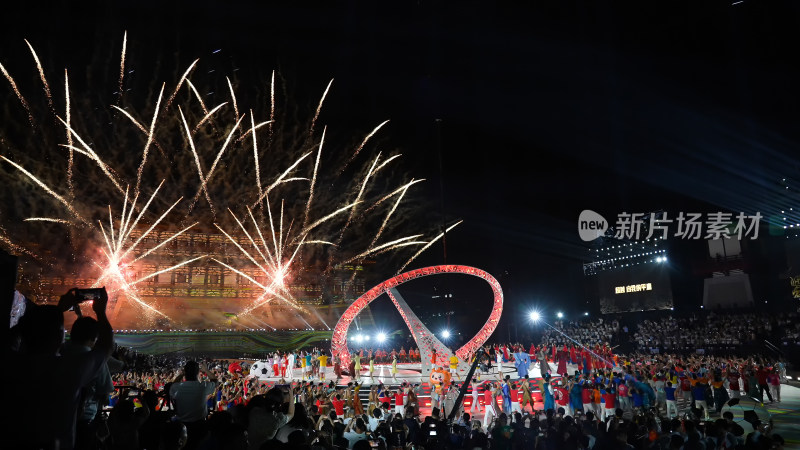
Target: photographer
column 268, row 413
column 435, row 431
column 355, row 431
column 82, row 339
column 48, row 405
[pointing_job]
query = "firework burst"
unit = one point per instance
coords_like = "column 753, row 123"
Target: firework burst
column 287, row 208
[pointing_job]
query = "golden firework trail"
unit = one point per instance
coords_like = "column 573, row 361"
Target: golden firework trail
column 388, row 246
column 149, row 138
column 197, row 162
column 256, row 157
column 47, row 92
column 48, row 219
column 213, row 165
column 122, row 65
column 198, row 96
column 233, row 97
column 68, row 116
column 370, row 172
column 280, row 180
column 393, row 193
column 271, row 105
column 208, row 116
column 91, row 154
column 314, row 178
column 180, row 83
column 319, row 108
column 47, row 189
column 363, row 143
column 18, row 94
column 434, row 240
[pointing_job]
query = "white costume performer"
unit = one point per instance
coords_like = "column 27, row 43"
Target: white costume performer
column 290, row 367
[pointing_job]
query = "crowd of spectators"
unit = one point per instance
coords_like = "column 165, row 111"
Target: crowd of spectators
column 711, row 331
column 76, row 395
column 587, row 332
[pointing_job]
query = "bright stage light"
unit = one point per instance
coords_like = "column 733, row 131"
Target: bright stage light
column 366, row 338
column 535, row 316
column 560, row 315
column 446, row 334
column 381, row 337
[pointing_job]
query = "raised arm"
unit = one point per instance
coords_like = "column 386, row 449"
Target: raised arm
column 105, row 338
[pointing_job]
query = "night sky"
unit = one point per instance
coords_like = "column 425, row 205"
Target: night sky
column 519, row 117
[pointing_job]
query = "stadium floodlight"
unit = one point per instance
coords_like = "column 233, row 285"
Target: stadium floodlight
column 446, row 334
column 381, row 337
column 560, row 315
column 535, row 316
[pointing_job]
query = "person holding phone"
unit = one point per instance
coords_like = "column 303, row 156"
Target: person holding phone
column 355, row 431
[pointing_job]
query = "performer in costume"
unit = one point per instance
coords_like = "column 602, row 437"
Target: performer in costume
column 476, row 407
column 506, row 391
column 394, row 367
column 527, row 398
column 371, row 369
column 547, row 392
column 522, row 361
column 357, row 367
column 358, row 408
column 562, row 362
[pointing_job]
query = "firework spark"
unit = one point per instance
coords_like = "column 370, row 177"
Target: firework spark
column 433, row 241
column 180, row 83
column 70, row 144
column 47, row 189
column 122, row 65
column 18, row 94
column 46, row 86
column 149, row 134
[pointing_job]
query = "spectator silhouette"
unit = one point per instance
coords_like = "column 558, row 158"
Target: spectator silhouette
column 46, row 386
column 190, row 400
column 82, row 339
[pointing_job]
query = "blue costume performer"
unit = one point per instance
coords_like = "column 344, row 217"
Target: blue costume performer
column 506, row 390
column 522, row 361
column 549, row 400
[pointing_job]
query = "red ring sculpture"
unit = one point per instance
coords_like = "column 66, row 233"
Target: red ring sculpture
column 339, row 339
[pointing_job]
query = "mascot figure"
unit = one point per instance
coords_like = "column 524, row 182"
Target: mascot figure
column 439, row 378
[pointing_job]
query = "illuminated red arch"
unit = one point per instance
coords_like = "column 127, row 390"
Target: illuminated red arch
column 339, row 339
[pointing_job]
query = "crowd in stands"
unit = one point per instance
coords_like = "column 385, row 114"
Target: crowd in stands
column 587, row 332
column 711, row 331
